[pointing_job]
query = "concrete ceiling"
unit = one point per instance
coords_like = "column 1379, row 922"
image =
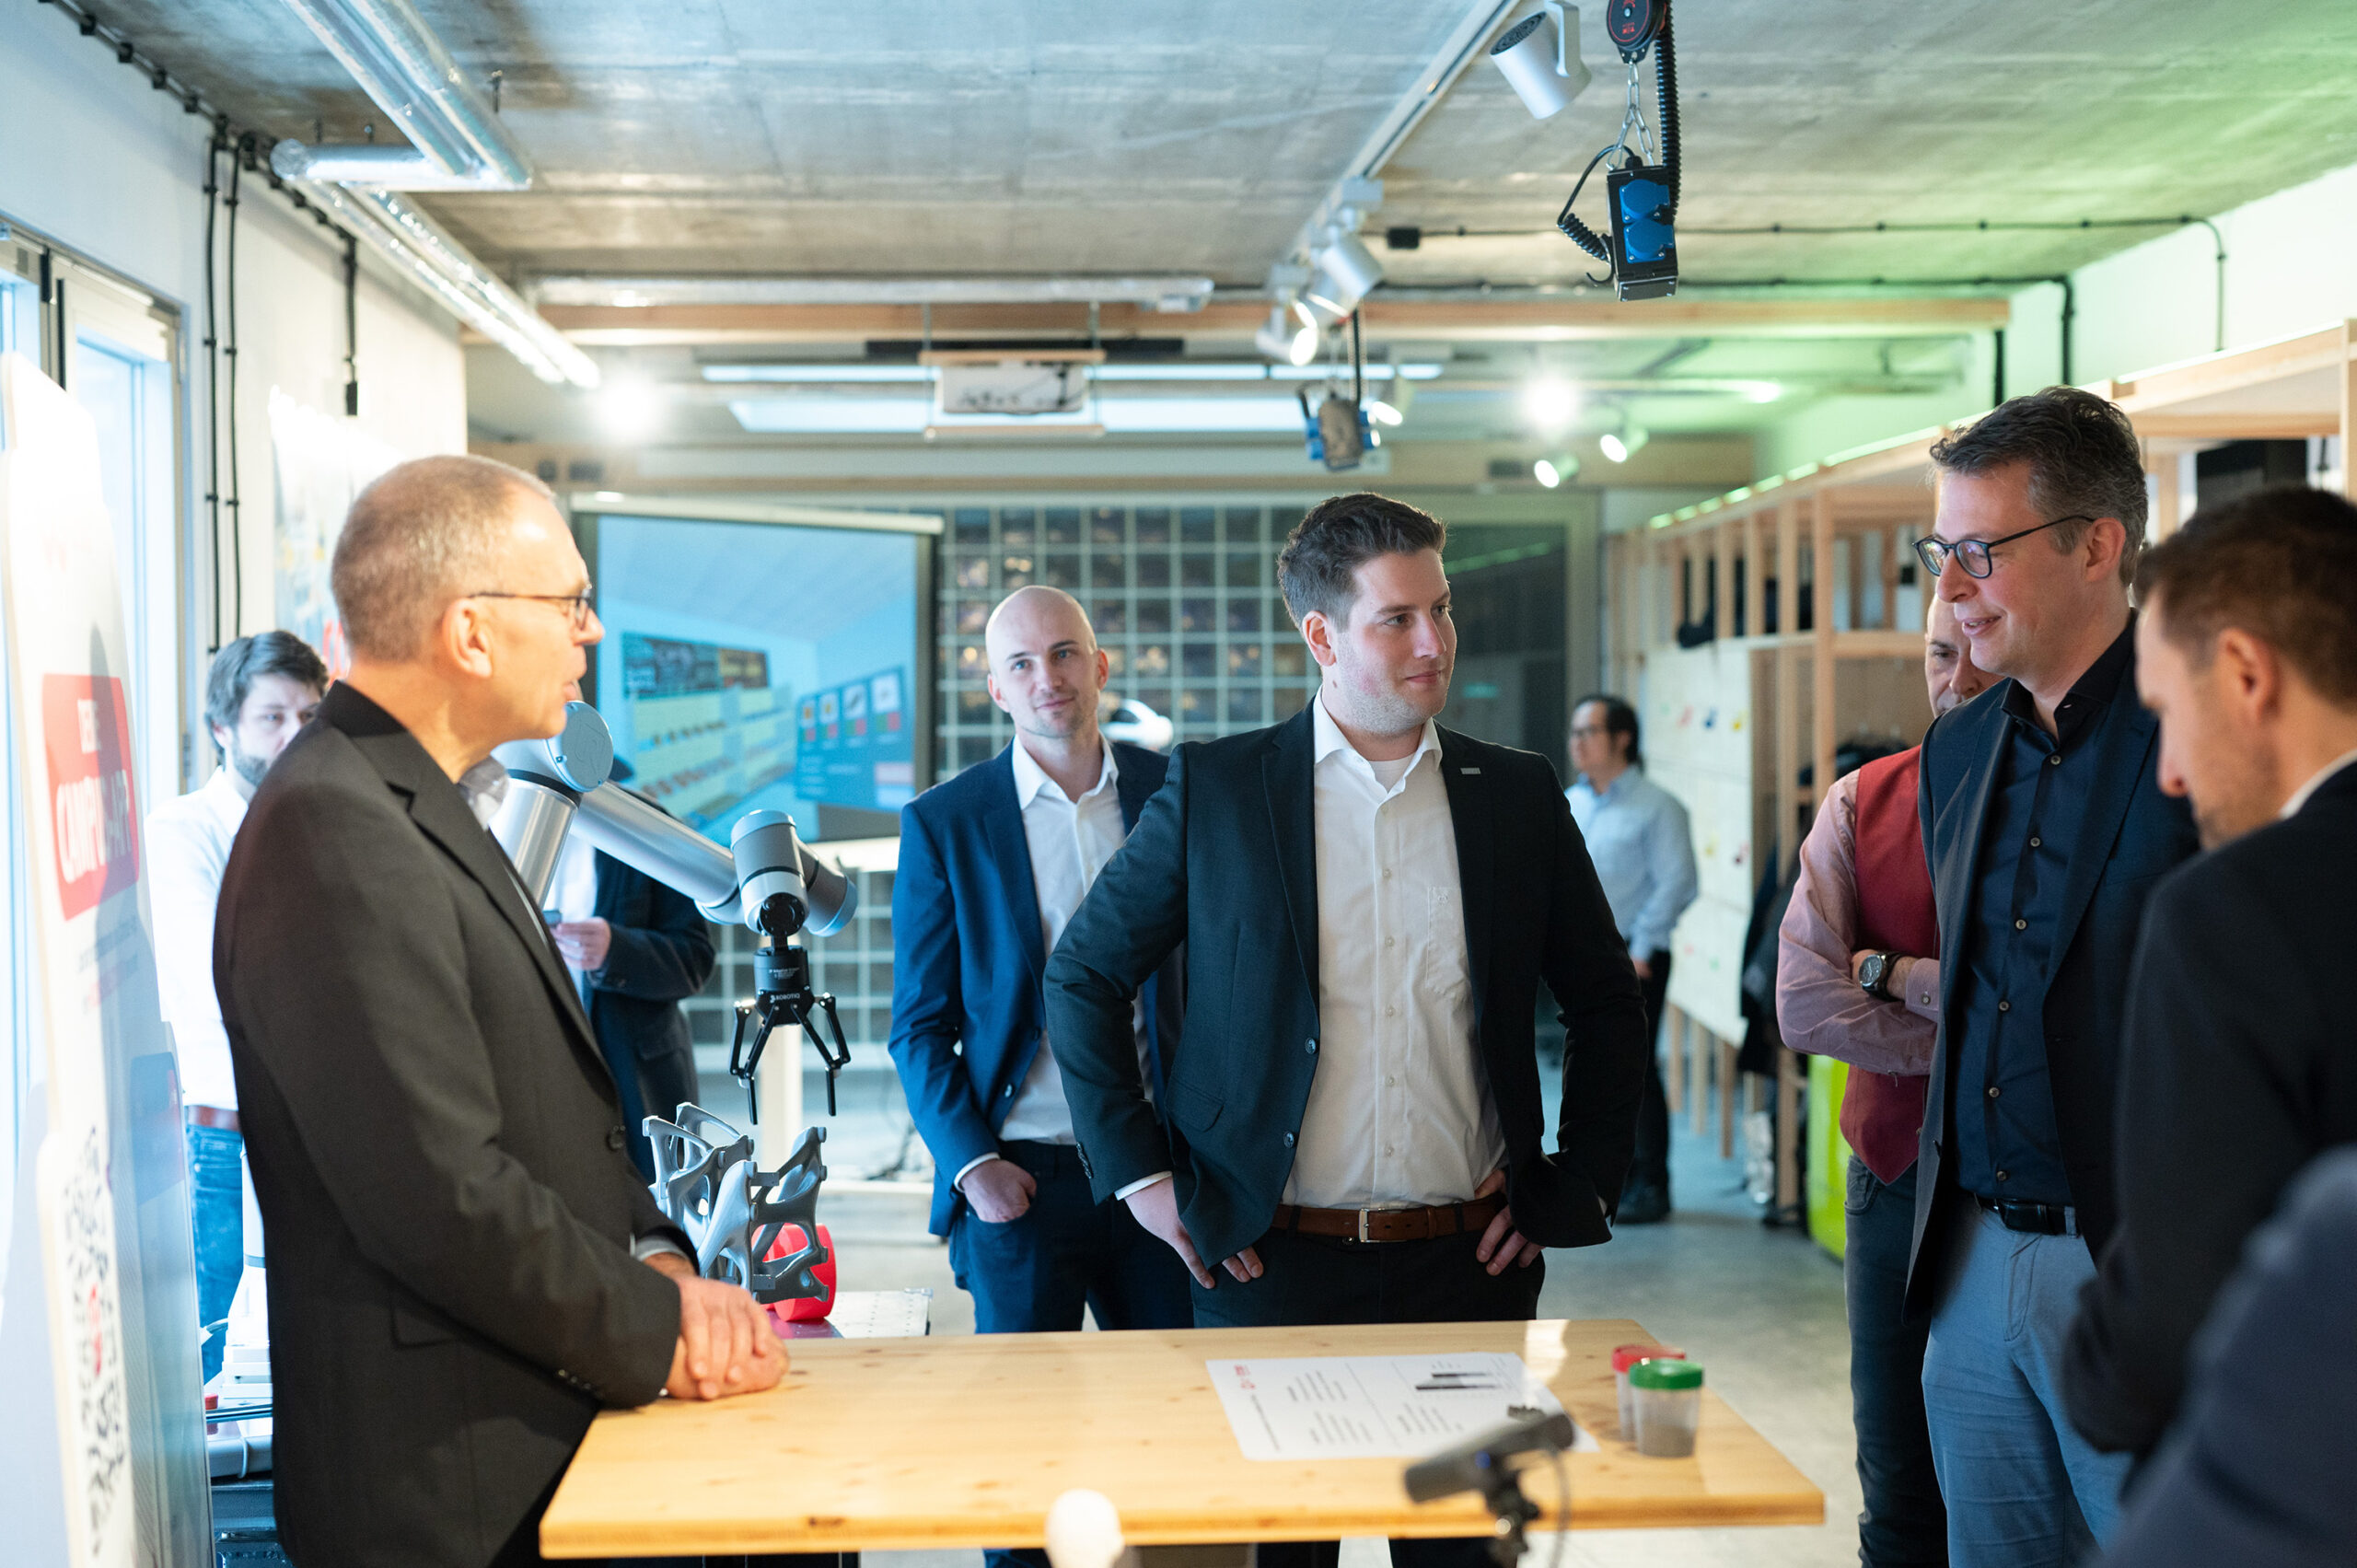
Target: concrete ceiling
column 1053, row 136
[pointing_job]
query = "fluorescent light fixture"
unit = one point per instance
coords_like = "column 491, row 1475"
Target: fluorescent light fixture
column 1546, row 473
column 909, row 416
column 417, row 246
column 1763, row 391
column 1161, row 293
column 1382, row 413
column 1550, row 403
column 839, row 374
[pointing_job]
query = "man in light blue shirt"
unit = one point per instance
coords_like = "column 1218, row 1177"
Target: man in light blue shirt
column 1644, row 850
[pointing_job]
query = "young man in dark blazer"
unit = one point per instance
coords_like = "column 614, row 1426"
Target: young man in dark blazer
column 2240, row 1063
column 464, row 1265
column 2044, row 830
column 992, row 864
column 1367, row 903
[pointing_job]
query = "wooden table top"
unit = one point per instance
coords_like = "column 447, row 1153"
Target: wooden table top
column 901, row 1445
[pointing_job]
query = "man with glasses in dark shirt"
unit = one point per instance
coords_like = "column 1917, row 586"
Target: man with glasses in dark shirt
column 2045, row 829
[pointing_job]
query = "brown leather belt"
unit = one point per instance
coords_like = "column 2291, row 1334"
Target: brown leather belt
column 212, row 1115
column 1391, row 1224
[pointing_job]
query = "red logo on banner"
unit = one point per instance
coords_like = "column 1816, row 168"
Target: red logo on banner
column 87, row 732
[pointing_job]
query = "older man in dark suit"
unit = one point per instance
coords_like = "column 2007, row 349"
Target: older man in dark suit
column 465, row 1267
column 1368, row 904
column 2045, row 831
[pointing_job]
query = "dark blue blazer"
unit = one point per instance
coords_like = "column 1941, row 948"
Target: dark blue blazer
column 2132, row 836
column 967, row 961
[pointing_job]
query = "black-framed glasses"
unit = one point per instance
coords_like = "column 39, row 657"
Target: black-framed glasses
column 1972, row 554
column 579, row 606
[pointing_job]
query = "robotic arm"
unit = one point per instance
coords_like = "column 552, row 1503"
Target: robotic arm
column 767, row 877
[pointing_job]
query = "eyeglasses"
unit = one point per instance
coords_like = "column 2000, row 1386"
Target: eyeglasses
column 580, row 607
column 1589, row 732
column 1972, row 554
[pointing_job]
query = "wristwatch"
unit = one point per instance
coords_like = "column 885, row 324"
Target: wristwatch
column 1873, row 974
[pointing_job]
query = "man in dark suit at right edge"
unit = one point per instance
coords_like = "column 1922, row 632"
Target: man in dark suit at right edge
column 2241, row 1059
column 2044, row 830
column 1368, row 904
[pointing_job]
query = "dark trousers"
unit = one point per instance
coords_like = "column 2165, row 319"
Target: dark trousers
column 1315, row 1279
column 1033, row 1275
column 1904, row 1524
column 1649, row 1167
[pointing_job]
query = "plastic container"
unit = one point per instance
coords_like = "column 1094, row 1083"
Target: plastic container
column 1669, row 1399
column 1625, row 1357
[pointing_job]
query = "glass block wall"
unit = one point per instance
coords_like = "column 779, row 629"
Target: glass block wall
column 1184, row 600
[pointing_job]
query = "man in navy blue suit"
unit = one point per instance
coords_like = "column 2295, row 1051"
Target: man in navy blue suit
column 992, row 864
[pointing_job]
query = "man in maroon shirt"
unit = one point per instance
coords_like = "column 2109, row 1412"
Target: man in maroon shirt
column 1858, row 979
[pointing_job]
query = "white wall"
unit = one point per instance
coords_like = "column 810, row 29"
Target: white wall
column 95, row 161
column 2292, row 267
column 93, row 158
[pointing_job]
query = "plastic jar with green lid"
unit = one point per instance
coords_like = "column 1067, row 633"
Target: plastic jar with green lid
column 1668, row 1399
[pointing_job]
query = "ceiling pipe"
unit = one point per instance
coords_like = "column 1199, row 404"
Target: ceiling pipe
column 457, row 144
column 403, row 68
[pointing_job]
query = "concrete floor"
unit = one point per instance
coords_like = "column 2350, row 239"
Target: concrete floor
column 1761, row 1308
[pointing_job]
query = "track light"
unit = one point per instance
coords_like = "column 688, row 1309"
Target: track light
column 1347, row 271
column 1273, row 337
column 1625, row 442
column 1545, row 71
column 1304, row 347
column 1383, row 413
column 1550, row 404
column 1552, row 471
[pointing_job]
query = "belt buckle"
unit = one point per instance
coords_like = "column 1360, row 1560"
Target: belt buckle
column 1365, row 1237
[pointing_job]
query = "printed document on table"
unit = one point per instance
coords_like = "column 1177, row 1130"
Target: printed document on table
column 1376, row 1407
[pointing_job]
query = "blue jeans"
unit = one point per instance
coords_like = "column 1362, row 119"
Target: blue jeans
column 217, row 1200
column 1904, row 1524
column 2023, row 1489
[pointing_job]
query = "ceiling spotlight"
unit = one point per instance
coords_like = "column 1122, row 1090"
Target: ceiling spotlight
column 628, row 411
column 1383, row 413
column 1275, row 338
column 1304, row 347
column 1623, row 444
column 1550, row 403
column 1347, row 271
column 1543, row 64
column 1546, row 473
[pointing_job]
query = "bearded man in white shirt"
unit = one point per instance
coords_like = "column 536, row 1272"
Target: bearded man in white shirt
column 260, row 691
column 1367, row 903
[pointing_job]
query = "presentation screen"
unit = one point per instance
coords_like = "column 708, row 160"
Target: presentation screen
column 752, row 666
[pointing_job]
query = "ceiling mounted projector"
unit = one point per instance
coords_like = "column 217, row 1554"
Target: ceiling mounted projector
column 1543, row 64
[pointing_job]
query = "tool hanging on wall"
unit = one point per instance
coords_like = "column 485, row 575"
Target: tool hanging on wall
column 1642, row 187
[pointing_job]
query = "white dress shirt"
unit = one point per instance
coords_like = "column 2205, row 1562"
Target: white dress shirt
column 187, row 849
column 1400, row 1110
column 2301, row 795
column 1069, row 841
